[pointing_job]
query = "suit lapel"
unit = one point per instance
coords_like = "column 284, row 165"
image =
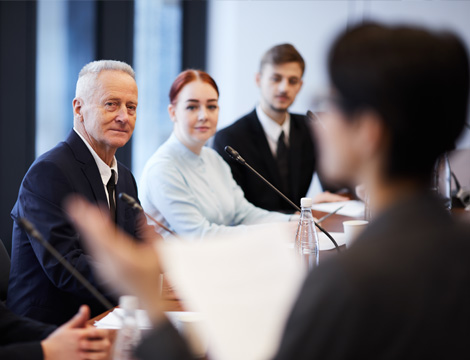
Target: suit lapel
column 266, row 163
column 120, row 205
column 295, row 154
column 88, row 166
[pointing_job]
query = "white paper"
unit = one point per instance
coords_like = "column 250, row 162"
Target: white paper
column 244, row 286
column 353, row 208
column 113, row 320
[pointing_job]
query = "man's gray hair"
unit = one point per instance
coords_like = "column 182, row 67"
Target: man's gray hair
column 95, row 67
column 89, row 73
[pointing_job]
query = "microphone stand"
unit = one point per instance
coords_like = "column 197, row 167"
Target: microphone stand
column 35, row 234
column 129, row 200
column 238, row 158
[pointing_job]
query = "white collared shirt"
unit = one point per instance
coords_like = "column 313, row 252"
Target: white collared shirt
column 104, row 169
column 273, row 130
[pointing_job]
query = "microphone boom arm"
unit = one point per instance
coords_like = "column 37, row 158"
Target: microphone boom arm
column 129, row 200
column 237, row 157
column 34, row 233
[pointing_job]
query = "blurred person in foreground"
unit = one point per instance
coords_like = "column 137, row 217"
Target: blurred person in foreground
column 401, row 290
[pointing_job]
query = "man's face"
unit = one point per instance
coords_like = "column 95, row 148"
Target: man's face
column 279, row 85
column 108, row 112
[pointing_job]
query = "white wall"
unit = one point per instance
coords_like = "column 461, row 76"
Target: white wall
column 241, row 31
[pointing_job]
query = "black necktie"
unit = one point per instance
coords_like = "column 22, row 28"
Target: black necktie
column 111, row 187
column 283, row 163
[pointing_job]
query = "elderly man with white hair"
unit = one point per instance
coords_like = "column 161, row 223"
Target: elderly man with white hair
column 104, row 110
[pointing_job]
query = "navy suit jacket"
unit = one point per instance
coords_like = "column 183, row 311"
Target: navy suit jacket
column 247, row 137
column 39, row 286
column 20, row 338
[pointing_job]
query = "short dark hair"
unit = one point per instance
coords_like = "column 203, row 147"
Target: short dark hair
column 282, row 54
column 415, row 79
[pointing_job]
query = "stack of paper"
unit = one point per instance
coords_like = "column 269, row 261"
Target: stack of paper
column 353, row 208
column 244, row 286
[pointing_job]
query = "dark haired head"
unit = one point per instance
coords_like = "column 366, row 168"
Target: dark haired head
column 416, row 80
column 282, row 54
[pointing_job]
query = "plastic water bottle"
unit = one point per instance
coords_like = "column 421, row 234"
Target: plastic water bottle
column 306, row 239
column 443, row 180
column 128, row 336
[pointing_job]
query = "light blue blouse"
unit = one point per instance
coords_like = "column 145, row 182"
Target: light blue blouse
column 196, row 195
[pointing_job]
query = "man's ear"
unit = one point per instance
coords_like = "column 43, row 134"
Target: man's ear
column 77, row 104
column 172, row 112
column 371, row 133
column 258, row 79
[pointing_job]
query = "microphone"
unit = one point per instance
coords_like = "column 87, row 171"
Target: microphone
column 129, row 200
column 35, row 234
column 237, row 157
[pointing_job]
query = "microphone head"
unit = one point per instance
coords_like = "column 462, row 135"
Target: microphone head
column 129, row 200
column 234, row 155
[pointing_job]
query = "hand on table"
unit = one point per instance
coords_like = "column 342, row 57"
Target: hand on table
column 74, row 340
column 132, row 267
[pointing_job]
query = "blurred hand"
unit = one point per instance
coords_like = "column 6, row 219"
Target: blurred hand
column 329, row 197
column 74, row 340
column 132, row 267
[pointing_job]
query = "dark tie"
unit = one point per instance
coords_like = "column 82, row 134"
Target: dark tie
column 111, row 187
column 283, row 163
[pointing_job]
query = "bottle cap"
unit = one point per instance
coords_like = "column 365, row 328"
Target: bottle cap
column 129, row 302
column 306, row 202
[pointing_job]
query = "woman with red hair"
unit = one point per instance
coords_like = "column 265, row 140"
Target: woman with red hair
column 188, row 186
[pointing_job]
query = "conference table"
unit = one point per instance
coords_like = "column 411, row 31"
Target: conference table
column 172, row 302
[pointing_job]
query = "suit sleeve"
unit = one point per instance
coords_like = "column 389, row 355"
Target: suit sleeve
column 21, row 336
column 163, row 343
column 24, row 351
column 324, row 316
column 40, row 200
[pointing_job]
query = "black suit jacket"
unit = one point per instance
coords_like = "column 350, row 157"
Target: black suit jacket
column 20, row 338
column 248, row 138
column 400, row 292
column 39, row 286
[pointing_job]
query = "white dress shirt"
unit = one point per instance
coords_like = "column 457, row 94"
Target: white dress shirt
column 196, row 195
column 273, row 130
column 104, row 169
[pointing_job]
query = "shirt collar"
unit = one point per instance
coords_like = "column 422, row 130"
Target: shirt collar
column 186, row 154
column 104, row 169
column 271, row 128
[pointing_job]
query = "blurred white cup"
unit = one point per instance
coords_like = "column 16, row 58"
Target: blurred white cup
column 191, row 327
column 352, row 229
